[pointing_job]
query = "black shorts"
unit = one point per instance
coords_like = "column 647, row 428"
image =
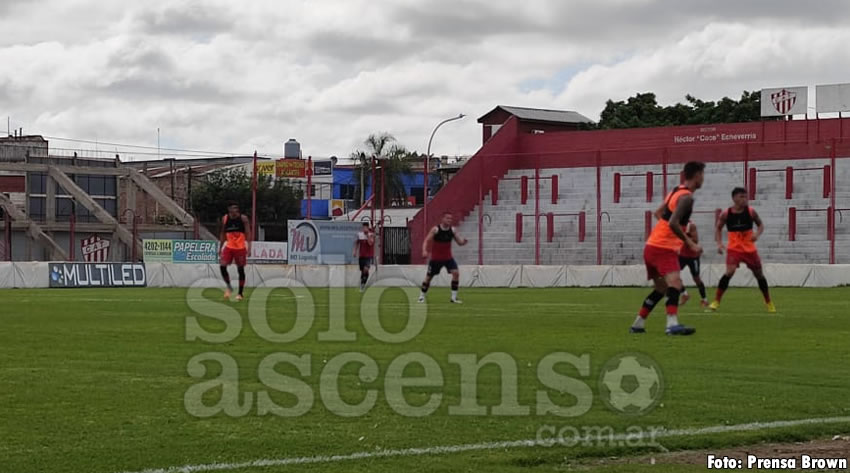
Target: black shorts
column 434, row 267
column 690, row 263
column 365, row 263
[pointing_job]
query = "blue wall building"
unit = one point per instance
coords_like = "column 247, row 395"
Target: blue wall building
column 346, row 187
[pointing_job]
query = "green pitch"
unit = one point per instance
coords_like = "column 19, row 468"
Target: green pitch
column 97, row 381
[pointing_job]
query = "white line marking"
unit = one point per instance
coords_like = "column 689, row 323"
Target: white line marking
column 446, row 449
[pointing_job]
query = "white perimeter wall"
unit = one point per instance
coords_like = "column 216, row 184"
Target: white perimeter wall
column 35, row 275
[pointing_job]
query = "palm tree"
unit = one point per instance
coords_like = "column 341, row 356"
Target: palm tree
column 394, row 158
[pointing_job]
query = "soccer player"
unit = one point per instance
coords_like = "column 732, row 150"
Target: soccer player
column 739, row 221
column 235, row 243
column 364, row 251
column 437, row 249
column 661, row 253
column 690, row 259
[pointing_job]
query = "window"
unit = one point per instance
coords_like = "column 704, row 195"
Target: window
column 36, row 208
column 347, row 191
column 84, row 216
column 96, row 185
column 37, row 183
column 109, row 185
column 417, row 192
column 64, row 208
column 108, row 204
column 83, row 182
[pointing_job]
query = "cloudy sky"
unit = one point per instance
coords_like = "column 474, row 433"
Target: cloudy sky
column 238, row 76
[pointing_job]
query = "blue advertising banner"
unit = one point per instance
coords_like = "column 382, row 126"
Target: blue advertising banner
column 322, row 242
column 195, row 251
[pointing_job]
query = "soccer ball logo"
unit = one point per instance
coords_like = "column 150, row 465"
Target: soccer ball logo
column 631, row 384
column 57, row 276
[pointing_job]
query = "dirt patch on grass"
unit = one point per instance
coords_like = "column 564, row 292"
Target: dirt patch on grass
column 835, row 447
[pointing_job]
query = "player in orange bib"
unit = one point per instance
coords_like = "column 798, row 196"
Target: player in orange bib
column 235, row 244
column 739, row 221
column 661, row 253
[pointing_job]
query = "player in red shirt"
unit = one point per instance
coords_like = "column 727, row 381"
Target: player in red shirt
column 661, row 253
column 364, row 251
column 235, row 244
column 739, row 221
column 688, row 258
column 437, row 249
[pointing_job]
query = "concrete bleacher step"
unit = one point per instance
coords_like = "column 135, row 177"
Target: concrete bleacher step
column 623, row 235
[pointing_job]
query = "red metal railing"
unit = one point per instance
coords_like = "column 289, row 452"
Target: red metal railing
column 650, row 180
column 789, row 179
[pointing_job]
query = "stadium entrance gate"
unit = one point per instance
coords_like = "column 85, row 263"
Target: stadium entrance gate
column 396, row 248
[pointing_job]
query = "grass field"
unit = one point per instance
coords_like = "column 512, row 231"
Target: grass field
column 94, row 381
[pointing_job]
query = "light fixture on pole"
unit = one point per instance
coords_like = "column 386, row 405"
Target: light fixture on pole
column 427, row 167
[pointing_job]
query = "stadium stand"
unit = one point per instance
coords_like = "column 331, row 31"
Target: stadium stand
column 610, row 181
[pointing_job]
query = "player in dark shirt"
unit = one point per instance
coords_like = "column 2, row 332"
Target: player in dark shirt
column 364, row 251
column 437, row 249
column 690, row 259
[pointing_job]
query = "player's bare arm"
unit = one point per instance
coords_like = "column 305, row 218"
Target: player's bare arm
column 356, row 248
column 693, row 233
column 426, row 245
column 759, row 226
column 683, row 207
column 659, row 212
column 718, row 232
column 460, row 240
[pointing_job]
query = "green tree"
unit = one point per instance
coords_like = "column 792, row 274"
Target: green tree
column 394, row 157
column 277, row 202
column 643, row 110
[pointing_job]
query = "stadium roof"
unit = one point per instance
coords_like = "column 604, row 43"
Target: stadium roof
column 540, row 115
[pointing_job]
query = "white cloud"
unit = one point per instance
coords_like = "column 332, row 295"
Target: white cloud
column 227, row 76
column 719, row 60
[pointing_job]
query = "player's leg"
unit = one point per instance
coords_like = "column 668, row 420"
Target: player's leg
column 700, row 284
column 241, row 262
column 241, row 271
column 451, row 266
column 364, row 273
column 684, row 263
column 732, row 261
column 226, row 259
column 433, row 270
column 758, row 272
column 639, row 326
column 695, row 271
column 653, row 273
column 674, row 289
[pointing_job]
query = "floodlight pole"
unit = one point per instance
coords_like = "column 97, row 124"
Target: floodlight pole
column 427, row 167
